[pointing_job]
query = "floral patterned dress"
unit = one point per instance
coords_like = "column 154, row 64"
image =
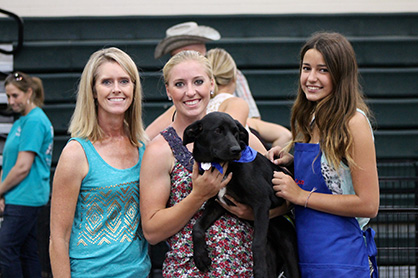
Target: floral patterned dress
column 228, row 239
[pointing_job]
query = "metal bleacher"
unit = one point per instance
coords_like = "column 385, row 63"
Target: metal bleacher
column 265, row 48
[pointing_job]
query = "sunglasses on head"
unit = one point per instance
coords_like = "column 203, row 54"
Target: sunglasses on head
column 17, row 76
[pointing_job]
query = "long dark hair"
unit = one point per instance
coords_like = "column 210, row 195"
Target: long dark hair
column 333, row 113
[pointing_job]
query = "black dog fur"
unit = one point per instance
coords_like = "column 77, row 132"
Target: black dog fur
column 219, row 138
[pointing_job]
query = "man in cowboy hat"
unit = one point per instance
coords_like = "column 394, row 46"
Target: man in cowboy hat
column 191, row 36
column 186, row 35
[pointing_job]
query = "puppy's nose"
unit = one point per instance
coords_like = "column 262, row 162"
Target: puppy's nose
column 235, row 149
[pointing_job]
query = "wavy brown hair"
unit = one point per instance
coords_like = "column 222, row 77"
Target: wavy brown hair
column 24, row 82
column 333, row 113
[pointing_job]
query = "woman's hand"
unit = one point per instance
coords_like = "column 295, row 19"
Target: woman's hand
column 286, row 188
column 246, row 212
column 279, row 157
column 210, row 182
column 241, row 210
column 2, row 204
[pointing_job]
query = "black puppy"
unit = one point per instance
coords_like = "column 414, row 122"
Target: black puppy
column 219, row 138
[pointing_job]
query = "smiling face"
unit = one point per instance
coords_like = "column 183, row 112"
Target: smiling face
column 189, row 87
column 113, row 89
column 315, row 79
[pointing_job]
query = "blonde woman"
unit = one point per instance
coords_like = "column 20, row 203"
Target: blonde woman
column 223, row 100
column 95, row 219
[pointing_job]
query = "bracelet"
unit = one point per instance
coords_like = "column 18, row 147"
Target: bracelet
column 310, row 193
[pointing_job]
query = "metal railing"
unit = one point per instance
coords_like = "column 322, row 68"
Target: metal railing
column 19, row 22
column 396, row 225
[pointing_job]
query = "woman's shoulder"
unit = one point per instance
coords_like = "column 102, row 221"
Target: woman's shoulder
column 37, row 116
column 158, row 155
column 73, row 150
column 236, row 100
column 359, row 124
column 158, row 146
column 359, row 118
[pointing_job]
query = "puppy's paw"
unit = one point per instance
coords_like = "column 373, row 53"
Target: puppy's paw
column 202, row 261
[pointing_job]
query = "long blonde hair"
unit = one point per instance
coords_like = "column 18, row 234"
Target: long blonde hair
column 333, row 113
column 84, row 122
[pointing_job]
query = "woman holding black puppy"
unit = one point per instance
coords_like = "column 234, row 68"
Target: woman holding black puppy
column 172, row 192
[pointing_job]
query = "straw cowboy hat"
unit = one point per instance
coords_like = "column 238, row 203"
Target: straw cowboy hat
column 183, row 34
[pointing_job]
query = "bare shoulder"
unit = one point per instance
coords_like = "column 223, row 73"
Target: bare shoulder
column 237, row 108
column 157, row 164
column 236, row 101
column 359, row 119
column 359, row 125
column 72, row 152
column 239, row 104
column 158, row 152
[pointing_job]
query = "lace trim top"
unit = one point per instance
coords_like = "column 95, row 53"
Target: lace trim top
column 215, row 102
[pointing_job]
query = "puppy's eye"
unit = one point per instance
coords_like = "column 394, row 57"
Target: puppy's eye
column 218, row 130
column 236, row 134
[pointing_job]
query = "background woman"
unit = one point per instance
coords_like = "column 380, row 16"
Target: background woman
column 25, row 184
column 95, row 219
column 225, row 74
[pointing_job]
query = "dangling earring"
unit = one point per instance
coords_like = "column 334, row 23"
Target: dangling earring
column 169, row 98
column 211, row 93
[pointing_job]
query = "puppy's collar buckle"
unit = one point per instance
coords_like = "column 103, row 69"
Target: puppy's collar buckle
column 207, row 165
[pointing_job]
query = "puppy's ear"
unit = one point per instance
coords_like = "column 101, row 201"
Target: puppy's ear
column 191, row 132
column 243, row 134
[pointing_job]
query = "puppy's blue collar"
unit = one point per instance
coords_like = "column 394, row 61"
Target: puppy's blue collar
column 247, row 155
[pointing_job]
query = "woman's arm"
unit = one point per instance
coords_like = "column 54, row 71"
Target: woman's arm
column 273, row 133
column 160, row 123
column 71, row 169
column 158, row 221
column 18, row 172
column 365, row 201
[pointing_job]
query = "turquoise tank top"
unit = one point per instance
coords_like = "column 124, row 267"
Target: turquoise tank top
column 106, row 237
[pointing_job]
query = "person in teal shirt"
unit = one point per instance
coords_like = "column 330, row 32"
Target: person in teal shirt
column 95, row 217
column 25, row 184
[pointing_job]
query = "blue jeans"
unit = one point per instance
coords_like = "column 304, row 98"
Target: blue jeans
column 18, row 242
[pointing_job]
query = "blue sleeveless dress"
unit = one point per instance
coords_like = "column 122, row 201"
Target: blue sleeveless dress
column 106, row 237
